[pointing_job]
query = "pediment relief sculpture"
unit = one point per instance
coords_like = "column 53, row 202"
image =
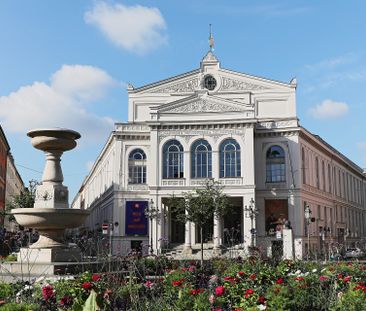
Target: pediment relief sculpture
column 181, row 87
column 204, row 105
column 229, row 84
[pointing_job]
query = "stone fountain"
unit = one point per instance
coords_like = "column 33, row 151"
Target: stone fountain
column 51, row 214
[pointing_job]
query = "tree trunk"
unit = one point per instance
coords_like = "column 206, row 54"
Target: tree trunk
column 201, row 229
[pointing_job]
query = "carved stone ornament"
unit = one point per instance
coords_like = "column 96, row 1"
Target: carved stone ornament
column 228, row 84
column 182, row 87
column 276, row 124
column 209, row 57
column 187, row 135
column 42, row 195
column 204, row 105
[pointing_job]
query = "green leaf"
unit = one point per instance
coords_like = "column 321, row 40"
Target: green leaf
column 91, row 302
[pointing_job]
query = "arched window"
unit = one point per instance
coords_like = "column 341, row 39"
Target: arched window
column 173, row 159
column 201, row 159
column 137, row 167
column 230, row 158
column 303, row 166
column 275, row 165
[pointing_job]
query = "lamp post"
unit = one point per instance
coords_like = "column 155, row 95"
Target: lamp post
column 151, row 212
column 251, row 211
column 308, row 220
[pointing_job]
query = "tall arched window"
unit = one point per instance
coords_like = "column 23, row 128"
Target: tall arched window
column 230, row 158
column 201, row 159
column 275, row 165
column 173, row 159
column 137, row 167
column 303, row 166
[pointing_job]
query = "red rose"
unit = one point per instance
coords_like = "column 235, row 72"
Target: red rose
column 241, row 274
column 48, row 292
column 194, row 292
column 177, row 283
column 220, row 290
column 339, row 276
column 279, row 281
column 323, row 278
column 87, row 285
column 66, row 301
column 261, row 299
column 347, row 279
column 253, row 276
column 248, row 292
column 95, row 277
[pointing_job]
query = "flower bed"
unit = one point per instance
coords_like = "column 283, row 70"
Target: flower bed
column 222, row 285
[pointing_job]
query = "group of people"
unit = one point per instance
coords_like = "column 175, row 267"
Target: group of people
column 276, row 224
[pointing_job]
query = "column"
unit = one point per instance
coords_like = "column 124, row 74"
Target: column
column 217, row 238
column 159, row 225
column 247, row 224
column 187, row 237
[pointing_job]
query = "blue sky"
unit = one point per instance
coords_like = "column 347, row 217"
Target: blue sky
column 67, row 64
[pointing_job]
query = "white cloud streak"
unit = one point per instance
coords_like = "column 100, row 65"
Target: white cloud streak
column 60, row 103
column 136, row 28
column 329, row 109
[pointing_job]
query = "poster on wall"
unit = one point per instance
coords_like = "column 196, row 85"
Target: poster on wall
column 136, row 221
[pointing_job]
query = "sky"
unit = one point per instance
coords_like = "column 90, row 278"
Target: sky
column 67, row 64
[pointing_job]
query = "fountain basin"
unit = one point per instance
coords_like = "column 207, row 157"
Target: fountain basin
column 50, row 218
column 56, row 139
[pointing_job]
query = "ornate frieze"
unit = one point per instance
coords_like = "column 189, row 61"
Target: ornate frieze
column 173, row 182
column 204, row 105
column 188, row 134
column 132, row 128
column 228, row 84
column 137, row 187
column 277, row 124
column 182, row 87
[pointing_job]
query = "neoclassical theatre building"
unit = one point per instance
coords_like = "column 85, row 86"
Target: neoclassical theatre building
column 238, row 129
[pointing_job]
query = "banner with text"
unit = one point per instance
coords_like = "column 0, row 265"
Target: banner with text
column 136, row 221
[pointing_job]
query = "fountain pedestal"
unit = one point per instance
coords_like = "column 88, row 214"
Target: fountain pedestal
column 51, row 214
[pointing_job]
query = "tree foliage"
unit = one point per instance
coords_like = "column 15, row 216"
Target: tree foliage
column 201, row 205
column 25, row 199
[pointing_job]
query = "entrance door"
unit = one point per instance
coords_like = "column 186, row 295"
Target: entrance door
column 232, row 226
column 177, row 228
column 207, row 232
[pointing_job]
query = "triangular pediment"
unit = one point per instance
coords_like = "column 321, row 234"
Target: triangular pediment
column 201, row 104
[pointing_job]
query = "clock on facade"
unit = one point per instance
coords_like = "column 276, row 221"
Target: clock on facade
column 210, row 82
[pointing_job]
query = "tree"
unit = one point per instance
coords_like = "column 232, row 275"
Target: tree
column 201, row 205
column 25, row 199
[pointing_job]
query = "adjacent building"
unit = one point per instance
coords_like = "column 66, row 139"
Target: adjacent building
column 14, row 186
column 4, row 151
column 241, row 130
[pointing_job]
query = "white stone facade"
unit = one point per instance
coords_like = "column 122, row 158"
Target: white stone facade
column 213, row 109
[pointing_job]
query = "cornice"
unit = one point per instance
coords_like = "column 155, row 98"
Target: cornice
column 330, row 151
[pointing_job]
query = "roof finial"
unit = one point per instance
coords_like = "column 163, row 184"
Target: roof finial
column 211, row 40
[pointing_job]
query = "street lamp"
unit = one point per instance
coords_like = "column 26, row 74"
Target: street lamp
column 251, row 211
column 151, row 212
column 308, row 220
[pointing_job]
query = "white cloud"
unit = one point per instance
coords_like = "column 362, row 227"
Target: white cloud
column 86, row 82
column 332, row 63
column 134, row 28
column 60, row 103
column 329, row 109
